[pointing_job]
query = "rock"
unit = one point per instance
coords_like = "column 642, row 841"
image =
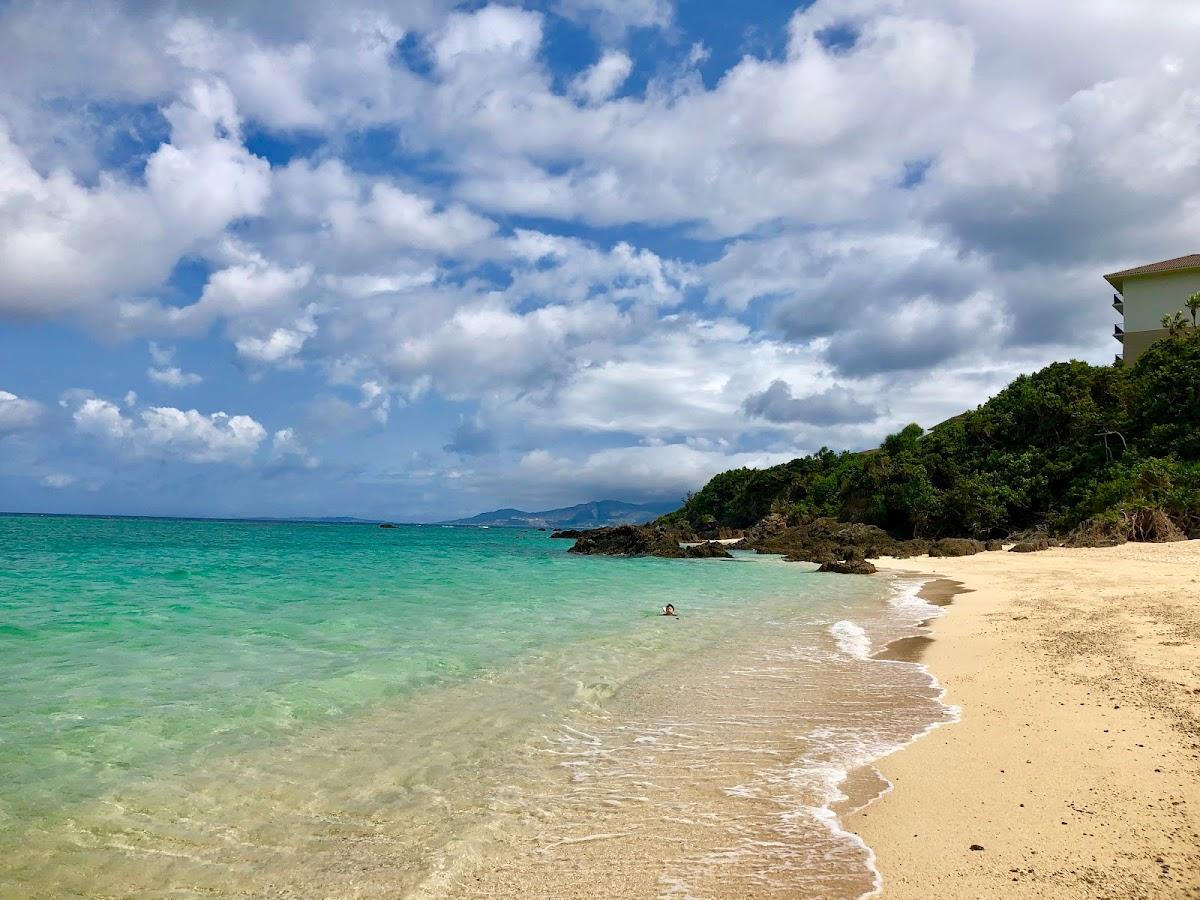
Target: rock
column 767, row 527
column 570, row 533
column 821, row 540
column 849, row 567
column 386, row 525
column 1031, row 545
column 976, row 846
column 955, row 547
column 707, row 550
column 640, row 540
column 993, row 545
column 711, row 531
column 910, row 548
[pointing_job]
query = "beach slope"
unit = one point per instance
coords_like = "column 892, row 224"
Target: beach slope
column 1075, row 770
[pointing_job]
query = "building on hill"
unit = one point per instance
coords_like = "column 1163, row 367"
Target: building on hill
column 1147, row 293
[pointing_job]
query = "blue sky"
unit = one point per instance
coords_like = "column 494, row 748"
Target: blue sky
column 415, row 260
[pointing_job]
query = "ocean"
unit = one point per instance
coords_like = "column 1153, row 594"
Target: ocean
column 211, row 708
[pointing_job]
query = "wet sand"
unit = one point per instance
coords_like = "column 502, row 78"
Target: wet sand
column 1075, row 769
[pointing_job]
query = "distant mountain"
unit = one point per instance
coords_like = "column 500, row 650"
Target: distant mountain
column 583, row 515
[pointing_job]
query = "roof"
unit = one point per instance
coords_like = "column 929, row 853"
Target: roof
column 1192, row 261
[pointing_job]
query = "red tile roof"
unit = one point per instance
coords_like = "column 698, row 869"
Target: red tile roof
column 1192, row 261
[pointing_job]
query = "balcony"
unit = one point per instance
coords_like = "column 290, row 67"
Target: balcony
column 1118, row 304
column 1117, row 359
column 1119, row 333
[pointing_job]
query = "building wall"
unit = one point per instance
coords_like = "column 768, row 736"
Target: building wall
column 1150, row 297
column 1136, row 343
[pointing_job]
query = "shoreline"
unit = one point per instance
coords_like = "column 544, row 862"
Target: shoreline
column 1075, row 762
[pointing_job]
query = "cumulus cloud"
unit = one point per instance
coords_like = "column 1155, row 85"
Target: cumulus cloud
column 832, row 406
column 66, row 246
column 18, row 414
column 166, row 374
column 286, row 446
column 657, row 471
column 907, row 202
column 610, row 19
column 603, row 79
column 168, row 432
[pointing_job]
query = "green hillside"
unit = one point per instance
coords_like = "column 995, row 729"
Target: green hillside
column 1068, row 444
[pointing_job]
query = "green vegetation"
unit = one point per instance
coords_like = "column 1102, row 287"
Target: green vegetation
column 1069, row 444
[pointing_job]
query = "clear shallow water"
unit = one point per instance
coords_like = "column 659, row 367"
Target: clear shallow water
column 201, row 708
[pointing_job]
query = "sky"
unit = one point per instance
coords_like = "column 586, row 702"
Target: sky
column 415, row 260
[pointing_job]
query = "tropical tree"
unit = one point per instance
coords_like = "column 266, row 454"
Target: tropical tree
column 1193, row 306
column 1175, row 323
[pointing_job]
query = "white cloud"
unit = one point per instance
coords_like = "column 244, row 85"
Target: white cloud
column 610, row 19
column 171, row 433
column 662, row 470
column 173, row 377
column 909, row 217
column 164, row 373
column 58, row 480
column 280, row 347
column 603, row 79
column 18, row 414
column 69, row 247
column 287, row 447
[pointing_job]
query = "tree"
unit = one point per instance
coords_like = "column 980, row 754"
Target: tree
column 1193, row 306
column 1175, row 323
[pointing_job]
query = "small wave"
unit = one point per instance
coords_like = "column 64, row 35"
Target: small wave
column 851, row 638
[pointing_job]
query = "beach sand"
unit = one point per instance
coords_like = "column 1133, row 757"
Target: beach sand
column 1076, row 764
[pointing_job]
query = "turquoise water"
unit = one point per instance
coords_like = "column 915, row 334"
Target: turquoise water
column 216, row 693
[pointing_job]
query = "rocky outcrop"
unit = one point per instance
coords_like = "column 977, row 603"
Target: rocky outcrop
column 642, row 540
column 707, row 550
column 627, row 540
column 849, row 567
column 1031, row 545
column 768, row 527
column 822, row 540
column 910, row 548
column 569, row 533
column 955, row 547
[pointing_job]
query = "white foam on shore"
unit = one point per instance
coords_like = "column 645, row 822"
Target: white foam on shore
column 851, row 638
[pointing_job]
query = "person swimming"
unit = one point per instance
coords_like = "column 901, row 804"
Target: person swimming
column 669, row 610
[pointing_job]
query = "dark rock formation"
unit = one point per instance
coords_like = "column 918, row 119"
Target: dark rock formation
column 955, row 547
column 386, row 525
column 822, row 540
column 910, row 548
column 628, row 540
column 849, row 567
column 642, row 540
column 569, row 533
column 711, row 531
column 768, row 527
column 707, row 550
column 1031, row 545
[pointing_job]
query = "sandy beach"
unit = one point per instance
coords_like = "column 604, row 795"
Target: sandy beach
column 1075, row 768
